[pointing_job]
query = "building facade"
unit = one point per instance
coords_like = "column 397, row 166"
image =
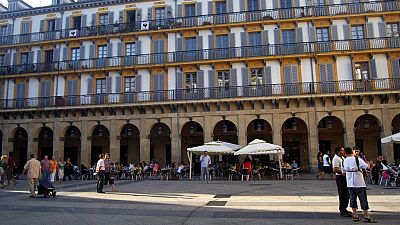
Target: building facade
column 146, row 79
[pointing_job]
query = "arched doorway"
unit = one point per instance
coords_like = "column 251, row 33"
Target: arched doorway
column 20, row 148
column 130, row 144
column 330, row 134
column 295, row 142
column 192, row 135
column 259, row 129
column 45, row 143
column 160, row 144
column 368, row 137
column 225, row 130
column 100, row 142
column 395, row 130
column 72, row 145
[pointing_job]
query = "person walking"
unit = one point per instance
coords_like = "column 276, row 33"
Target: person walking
column 61, row 165
column 32, row 170
column 107, row 171
column 320, row 161
column 45, row 164
column 100, row 168
column 327, row 165
column 3, row 170
column 10, row 168
column 53, row 168
column 355, row 182
column 205, row 162
column 341, row 183
column 67, row 169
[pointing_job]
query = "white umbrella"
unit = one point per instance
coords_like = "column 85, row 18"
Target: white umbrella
column 260, row 147
column 391, row 138
column 214, row 147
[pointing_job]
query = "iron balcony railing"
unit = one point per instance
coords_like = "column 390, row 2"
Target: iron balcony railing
column 205, row 20
column 120, row 62
column 193, row 94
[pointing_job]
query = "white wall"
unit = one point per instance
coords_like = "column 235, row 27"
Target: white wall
column 172, row 77
column 84, row 83
column 145, row 79
column 238, row 67
column 308, row 70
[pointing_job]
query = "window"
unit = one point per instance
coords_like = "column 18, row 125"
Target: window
column 191, row 81
column 51, row 25
column 76, row 23
column 160, row 16
column 48, row 56
column 130, row 49
column 100, row 86
column 129, row 84
column 24, row 58
column 102, row 53
column 190, row 44
column 286, row 4
column 190, row 10
column 3, row 31
column 131, row 16
column 362, row 70
column 319, row 2
column 254, row 38
column 223, row 78
column 2, row 58
column 357, row 32
column 392, row 29
column 220, row 7
column 75, row 53
column 322, row 34
column 256, row 77
column 288, row 36
column 222, row 41
column 252, row 5
column 103, row 19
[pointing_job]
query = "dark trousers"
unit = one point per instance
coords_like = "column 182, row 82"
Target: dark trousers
column 100, row 182
column 343, row 192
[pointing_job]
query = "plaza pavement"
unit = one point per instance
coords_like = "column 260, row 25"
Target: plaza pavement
column 301, row 201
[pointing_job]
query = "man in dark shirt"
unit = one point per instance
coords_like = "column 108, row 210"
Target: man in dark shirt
column 108, row 167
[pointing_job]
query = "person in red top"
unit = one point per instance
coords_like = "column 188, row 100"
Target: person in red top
column 247, row 165
column 53, row 168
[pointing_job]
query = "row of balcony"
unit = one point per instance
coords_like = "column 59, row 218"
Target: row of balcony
column 120, row 62
column 193, row 94
column 205, row 20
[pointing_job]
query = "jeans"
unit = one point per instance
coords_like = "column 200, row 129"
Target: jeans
column 343, row 192
column 46, row 175
column 100, row 182
column 361, row 193
column 205, row 173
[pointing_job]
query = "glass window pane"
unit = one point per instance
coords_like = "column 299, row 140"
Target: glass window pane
column 256, row 77
column 130, row 49
column 223, row 78
column 255, row 38
column 103, row 19
column 190, row 10
column 286, row 4
column 102, row 51
column 220, row 7
column 160, row 13
column 252, row 5
column 288, row 36
column 190, row 44
column 222, row 41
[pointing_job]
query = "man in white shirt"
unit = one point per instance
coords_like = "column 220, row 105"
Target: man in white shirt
column 327, row 164
column 341, row 183
column 100, row 170
column 205, row 161
column 356, row 184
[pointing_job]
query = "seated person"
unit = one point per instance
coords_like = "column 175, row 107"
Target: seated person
column 286, row 165
column 294, row 165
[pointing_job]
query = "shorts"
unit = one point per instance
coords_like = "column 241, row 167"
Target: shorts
column 106, row 178
column 327, row 169
column 111, row 180
column 361, row 193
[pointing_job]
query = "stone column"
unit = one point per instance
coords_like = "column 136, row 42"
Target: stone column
column 349, row 125
column 208, row 129
column 32, row 145
column 242, row 130
column 175, row 140
column 144, row 141
column 56, row 139
column 86, row 145
column 313, row 139
column 387, row 149
column 276, row 129
column 7, row 146
column 115, row 145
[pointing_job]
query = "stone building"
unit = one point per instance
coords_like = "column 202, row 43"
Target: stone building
column 146, row 79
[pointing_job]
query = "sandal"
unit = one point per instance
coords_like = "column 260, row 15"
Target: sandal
column 369, row 220
column 356, row 219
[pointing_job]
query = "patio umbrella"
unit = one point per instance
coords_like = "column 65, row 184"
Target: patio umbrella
column 260, row 147
column 213, row 148
column 392, row 138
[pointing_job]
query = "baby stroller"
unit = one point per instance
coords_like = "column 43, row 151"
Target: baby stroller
column 46, row 188
column 394, row 176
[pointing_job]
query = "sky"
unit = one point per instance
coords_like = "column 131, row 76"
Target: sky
column 33, row 3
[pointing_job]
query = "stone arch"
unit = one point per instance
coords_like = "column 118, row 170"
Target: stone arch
column 330, row 133
column 45, row 142
column 72, row 144
column 160, row 144
column 367, row 132
column 20, row 147
column 295, row 141
column 396, row 146
column 260, row 129
column 225, row 130
column 129, row 144
column 100, row 137
column 192, row 134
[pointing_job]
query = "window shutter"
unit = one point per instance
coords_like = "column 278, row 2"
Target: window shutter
column 90, row 85
column 277, row 36
column 21, row 89
column 30, row 57
column 168, row 11
column 267, row 75
column 242, row 6
column 179, row 43
column 56, row 55
column 58, row 24
column 275, row 4
column 149, row 13
column 10, row 30
column 161, row 83
column 15, row 58
column 65, row 54
column 370, row 30
column 346, row 32
column 231, row 38
column 179, row 80
column 179, row 10
column 120, row 49
column 138, row 83
column 199, row 8
column 395, row 69
column 138, row 15
column 382, row 29
column 155, row 82
column 138, row 46
column 8, row 59
column 263, row 4
column 111, row 17
column 108, row 85
column 287, row 72
column 41, row 26
column 374, row 72
column 334, row 30
column 264, row 37
column 39, row 56
column 93, row 23
column 243, row 38
column 91, row 52
column 109, row 50
column 121, row 16
column 119, row 84
column 294, row 74
column 82, row 52
column 211, row 42
column 245, row 76
column 69, row 87
column 322, row 73
column 84, row 21
column 200, row 79
column 211, row 78
column 211, row 7
column 199, row 40
column 67, row 22
column 233, row 77
column 312, row 36
column 330, row 75
column 230, row 6
column 299, row 35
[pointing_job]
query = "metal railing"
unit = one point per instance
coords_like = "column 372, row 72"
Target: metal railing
column 268, row 90
column 120, row 62
column 205, row 20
